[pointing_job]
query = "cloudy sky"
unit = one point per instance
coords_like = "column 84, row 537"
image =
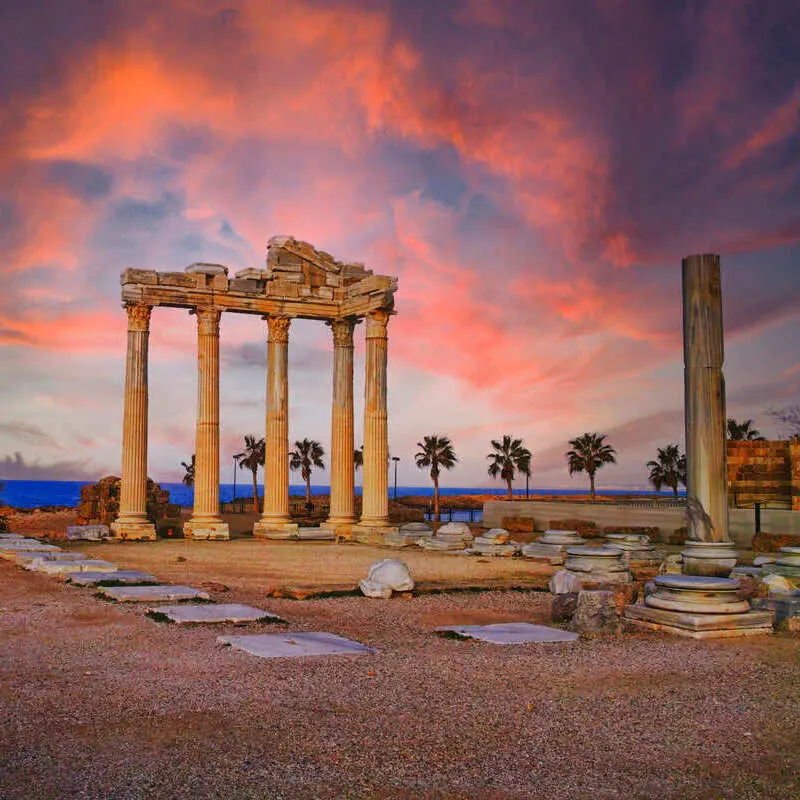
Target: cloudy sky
column 532, row 172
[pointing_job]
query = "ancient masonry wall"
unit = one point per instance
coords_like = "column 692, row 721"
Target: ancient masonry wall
column 764, row 472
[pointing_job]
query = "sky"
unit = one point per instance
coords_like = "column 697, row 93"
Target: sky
column 532, row 172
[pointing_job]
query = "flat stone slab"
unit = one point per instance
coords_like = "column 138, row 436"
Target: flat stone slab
column 316, row 534
column 31, row 545
column 91, row 533
column 128, row 577
column 293, row 645
column 191, row 614
column 153, row 594
column 10, row 537
column 510, row 633
column 60, row 567
column 25, row 557
column 697, row 622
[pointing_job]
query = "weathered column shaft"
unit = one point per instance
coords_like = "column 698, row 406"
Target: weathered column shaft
column 342, row 477
column 704, row 385
column 276, row 467
column 375, row 494
column 132, row 522
column 206, row 521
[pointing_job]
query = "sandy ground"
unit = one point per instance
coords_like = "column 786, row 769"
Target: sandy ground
column 99, row 701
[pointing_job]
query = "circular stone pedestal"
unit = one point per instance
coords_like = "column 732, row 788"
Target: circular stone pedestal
column 710, row 559
column 601, row 563
column 697, row 594
column 562, row 538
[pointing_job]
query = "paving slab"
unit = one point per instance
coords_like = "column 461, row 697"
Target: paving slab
column 9, row 545
column 92, row 533
column 510, row 633
column 10, row 537
column 60, row 567
column 293, row 645
column 193, row 614
column 128, row 577
column 153, row 594
column 27, row 559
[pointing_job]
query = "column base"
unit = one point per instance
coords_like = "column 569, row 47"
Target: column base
column 277, row 528
column 211, row 529
column 342, row 526
column 371, row 533
column 136, row 529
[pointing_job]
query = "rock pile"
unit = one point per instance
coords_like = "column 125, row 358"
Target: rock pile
column 99, row 503
column 553, row 545
column 409, row 534
column 495, row 542
column 452, row 536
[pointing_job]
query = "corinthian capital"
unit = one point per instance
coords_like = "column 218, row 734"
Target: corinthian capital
column 342, row 332
column 138, row 317
column 207, row 320
column 279, row 329
column 376, row 324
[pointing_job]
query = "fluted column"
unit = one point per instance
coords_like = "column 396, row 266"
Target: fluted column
column 704, row 386
column 276, row 466
column 206, row 522
column 342, row 469
column 132, row 522
column 375, row 492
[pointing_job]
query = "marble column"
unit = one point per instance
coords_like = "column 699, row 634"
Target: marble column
column 342, row 469
column 132, row 522
column 375, row 492
column 704, row 386
column 206, row 522
column 276, row 467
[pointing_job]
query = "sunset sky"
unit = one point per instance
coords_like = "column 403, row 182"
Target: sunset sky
column 532, row 172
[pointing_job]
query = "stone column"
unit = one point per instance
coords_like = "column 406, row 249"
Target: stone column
column 342, row 469
column 206, row 522
column 132, row 522
column 375, row 493
column 704, row 387
column 276, row 520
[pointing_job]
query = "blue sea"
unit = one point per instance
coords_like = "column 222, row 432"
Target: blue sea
column 36, row 494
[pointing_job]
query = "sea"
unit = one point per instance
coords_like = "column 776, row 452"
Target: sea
column 40, row 494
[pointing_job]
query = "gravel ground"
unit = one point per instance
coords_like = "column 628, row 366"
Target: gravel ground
column 98, row 701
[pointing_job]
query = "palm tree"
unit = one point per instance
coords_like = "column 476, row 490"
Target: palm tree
column 507, row 457
column 743, row 431
column 435, row 452
column 669, row 468
column 188, row 478
column 358, row 458
column 589, row 453
column 305, row 456
column 254, row 457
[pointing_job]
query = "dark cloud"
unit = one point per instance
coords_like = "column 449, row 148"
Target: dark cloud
column 85, row 181
column 27, row 433
column 16, row 467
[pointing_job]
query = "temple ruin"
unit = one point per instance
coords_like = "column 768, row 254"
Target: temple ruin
column 298, row 282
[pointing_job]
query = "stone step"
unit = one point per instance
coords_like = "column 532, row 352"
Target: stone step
column 509, row 633
column 127, row 577
column 214, row 613
column 293, row 645
column 62, row 567
column 152, row 594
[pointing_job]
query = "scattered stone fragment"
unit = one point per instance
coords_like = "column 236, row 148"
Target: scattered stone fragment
column 759, row 561
column 552, row 544
column 597, row 613
column 29, row 559
column 316, row 534
column 509, row 633
column 91, row 533
column 8, row 546
column 152, row 594
column 563, row 607
column 777, row 583
column 10, row 537
column 192, row 614
column 293, row 645
column 386, row 576
column 565, row 582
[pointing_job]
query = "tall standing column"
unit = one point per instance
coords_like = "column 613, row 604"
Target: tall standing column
column 276, row 520
column 704, row 386
column 341, row 513
column 132, row 522
column 375, row 493
column 206, row 522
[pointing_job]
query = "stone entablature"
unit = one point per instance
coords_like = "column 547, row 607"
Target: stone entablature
column 299, row 281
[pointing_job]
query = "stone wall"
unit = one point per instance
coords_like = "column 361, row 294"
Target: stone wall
column 99, row 503
column 741, row 521
column 764, row 472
